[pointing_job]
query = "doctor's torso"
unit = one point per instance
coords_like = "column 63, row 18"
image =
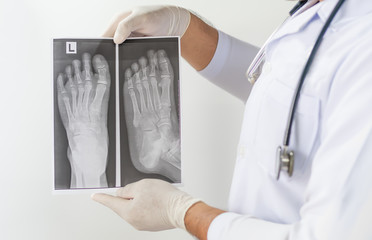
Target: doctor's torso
column 255, row 190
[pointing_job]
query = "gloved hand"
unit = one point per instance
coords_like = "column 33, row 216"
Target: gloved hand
column 149, row 204
column 149, row 21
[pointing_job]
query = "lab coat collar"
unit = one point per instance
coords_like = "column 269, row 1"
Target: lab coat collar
column 349, row 10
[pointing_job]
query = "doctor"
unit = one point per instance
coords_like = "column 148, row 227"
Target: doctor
column 329, row 195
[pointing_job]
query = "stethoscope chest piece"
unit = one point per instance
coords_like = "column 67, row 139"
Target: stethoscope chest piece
column 284, row 161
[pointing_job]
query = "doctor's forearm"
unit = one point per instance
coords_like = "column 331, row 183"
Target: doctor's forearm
column 199, row 43
column 198, row 219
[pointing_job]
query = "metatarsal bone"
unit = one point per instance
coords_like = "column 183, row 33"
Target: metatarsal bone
column 70, row 116
column 142, row 97
column 87, row 90
column 136, row 112
column 155, row 90
column 74, row 102
column 97, row 101
column 73, row 89
column 80, row 97
column 149, row 98
column 165, row 91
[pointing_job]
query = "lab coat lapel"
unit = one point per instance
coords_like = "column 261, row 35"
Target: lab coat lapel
column 297, row 21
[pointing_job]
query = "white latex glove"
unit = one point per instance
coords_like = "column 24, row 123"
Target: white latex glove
column 149, row 204
column 149, row 21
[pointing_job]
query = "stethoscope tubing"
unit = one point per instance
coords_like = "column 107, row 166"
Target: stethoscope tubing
column 305, row 71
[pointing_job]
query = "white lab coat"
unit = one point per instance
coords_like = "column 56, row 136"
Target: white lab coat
column 332, row 133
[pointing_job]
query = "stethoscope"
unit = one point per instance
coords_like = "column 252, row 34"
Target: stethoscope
column 285, row 157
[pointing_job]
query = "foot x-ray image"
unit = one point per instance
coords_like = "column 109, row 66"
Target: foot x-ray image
column 149, row 74
column 84, row 121
column 90, row 102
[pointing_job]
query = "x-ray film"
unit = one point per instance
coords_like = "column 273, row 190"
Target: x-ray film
column 116, row 112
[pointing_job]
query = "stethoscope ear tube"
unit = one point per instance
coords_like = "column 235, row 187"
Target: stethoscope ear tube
column 299, row 5
column 283, row 154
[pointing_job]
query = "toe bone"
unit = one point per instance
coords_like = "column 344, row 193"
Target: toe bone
column 101, row 69
column 153, row 62
column 164, row 68
column 128, row 77
column 60, row 83
column 68, row 71
column 87, row 66
column 135, row 68
column 143, row 63
column 77, row 65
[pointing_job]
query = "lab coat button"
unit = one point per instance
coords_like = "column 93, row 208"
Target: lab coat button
column 266, row 68
column 241, row 152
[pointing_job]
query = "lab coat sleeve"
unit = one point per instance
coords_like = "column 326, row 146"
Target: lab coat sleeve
column 338, row 198
column 229, row 64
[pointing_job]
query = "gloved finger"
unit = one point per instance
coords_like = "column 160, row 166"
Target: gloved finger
column 126, row 27
column 117, row 204
column 110, row 31
column 127, row 192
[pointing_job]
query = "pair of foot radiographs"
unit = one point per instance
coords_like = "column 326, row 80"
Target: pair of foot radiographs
column 150, row 114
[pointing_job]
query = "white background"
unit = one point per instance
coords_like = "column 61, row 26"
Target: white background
column 211, row 117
